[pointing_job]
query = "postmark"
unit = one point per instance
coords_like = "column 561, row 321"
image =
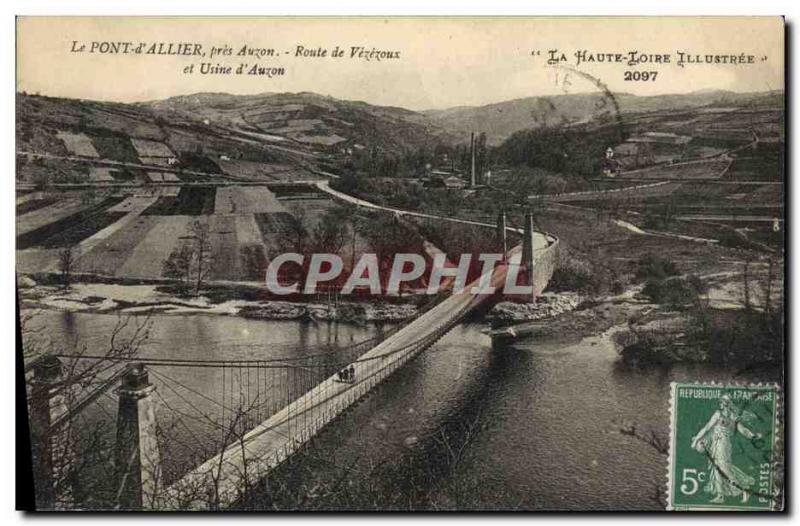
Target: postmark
column 723, row 447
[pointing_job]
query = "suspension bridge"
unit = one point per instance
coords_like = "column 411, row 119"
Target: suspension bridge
column 269, row 408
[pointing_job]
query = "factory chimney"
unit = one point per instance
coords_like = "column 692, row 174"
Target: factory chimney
column 472, row 182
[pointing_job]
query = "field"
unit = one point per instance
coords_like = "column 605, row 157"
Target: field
column 246, row 200
column 78, row 144
column 34, row 204
column 151, row 148
column 94, row 177
column 252, row 171
column 108, row 257
column 83, row 228
column 131, row 233
column 191, row 200
column 100, row 175
column 251, row 248
column 65, row 141
column 225, row 256
column 690, row 170
column 39, row 224
column 146, row 259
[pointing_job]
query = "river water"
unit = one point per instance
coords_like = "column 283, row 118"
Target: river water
column 533, row 425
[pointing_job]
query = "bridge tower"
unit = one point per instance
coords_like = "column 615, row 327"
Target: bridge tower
column 137, row 459
column 527, row 248
column 502, row 233
column 49, row 446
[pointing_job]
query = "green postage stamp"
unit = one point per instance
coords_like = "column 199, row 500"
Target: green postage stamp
column 723, row 447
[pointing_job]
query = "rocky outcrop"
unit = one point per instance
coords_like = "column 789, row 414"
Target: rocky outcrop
column 547, row 305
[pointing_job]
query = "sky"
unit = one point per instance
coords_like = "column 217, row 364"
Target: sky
column 443, row 62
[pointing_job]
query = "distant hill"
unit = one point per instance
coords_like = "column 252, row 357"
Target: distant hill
column 502, row 119
column 311, row 119
column 288, row 136
column 307, row 130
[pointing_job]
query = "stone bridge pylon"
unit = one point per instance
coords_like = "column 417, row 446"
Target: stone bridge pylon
column 528, row 260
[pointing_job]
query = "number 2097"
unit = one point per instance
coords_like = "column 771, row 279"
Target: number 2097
column 640, row 76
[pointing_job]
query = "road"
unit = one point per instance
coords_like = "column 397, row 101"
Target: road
column 229, row 179
column 540, row 243
column 730, row 218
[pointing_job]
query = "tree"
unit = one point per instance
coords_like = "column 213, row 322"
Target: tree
column 295, row 236
column 331, row 232
column 201, row 243
column 65, row 263
column 40, row 180
column 191, row 262
column 88, row 196
column 178, row 265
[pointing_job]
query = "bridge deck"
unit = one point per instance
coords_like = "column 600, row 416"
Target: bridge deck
column 274, row 440
column 265, row 447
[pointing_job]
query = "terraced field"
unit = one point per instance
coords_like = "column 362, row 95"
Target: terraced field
column 146, row 259
column 64, row 206
column 692, row 170
column 108, row 257
column 191, row 201
column 30, row 205
column 70, row 229
column 131, row 234
column 246, row 200
column 275, row 223
column 251, row 248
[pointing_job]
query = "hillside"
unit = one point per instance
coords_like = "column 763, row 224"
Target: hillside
column 311, row 119
column 263, row 137
column 69, row 140
column 290, row 136
column 502, row 119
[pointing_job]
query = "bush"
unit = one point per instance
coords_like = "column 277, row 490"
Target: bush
column 675, row 292
column 737, row 336
column 654, row 267
column 572, row 275
column 732, row 239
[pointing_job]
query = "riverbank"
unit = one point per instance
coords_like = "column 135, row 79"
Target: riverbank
column 714, row 328
column 547, row 305
column 150, row 299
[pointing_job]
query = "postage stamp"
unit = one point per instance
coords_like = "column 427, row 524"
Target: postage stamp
column 722, row 447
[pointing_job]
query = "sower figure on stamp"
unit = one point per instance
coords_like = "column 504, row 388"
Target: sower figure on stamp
column 716, row 439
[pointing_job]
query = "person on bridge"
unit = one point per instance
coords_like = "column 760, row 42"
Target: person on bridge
column 351, row 373
column 346, row 375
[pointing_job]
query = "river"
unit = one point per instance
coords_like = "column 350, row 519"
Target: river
column 531, row 425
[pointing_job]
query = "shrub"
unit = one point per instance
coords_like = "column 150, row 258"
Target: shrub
column 651, row 266
column 737, row 336
column 675, row 292
column 572, row 275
